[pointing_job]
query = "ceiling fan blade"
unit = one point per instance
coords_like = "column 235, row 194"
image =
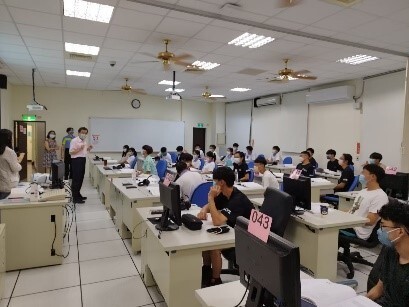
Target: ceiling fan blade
column 305, row 77
column 139, row 91
column 182, row 57
column 181, row 63
column 301, row 72
column 142, row 62
column 278, row 81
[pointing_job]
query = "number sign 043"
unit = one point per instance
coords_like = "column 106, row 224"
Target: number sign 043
column 259, row 225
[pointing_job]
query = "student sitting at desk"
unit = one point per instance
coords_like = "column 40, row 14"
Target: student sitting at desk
column 347, row 175
column 148, row 166
column 312, row 160
column 125, row 150
column 332, row 163
column 228, row 159
column 226, row 203
column 375, row 158
column 132, row 156
column 196, row 160
column 241, row 166
column 209, row 165
column 250, row 156
column 197, row 147
column 235, row 148
column 212, row 148
column 368, row 202
column 305, row 165
column 392, row 289
column 268, row 179
column 187, row 180
column 276, row 156
column 179, row 151
column 187, row 158
column 164, row 155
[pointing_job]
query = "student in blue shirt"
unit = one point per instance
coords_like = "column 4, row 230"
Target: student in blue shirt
column 65, row 152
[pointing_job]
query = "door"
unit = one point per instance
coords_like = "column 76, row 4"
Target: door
column 39, row 134
column 199, row 137
column 20, row 142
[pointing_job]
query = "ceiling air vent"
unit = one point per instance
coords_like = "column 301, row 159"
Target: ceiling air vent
column 344, row 3
column 79, row 57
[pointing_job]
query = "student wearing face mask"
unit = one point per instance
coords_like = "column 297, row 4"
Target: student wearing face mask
column 305, row 165
column 375, row 158
column 148, row 166
column 179, row 151
column 268, row 179
column 125, row 150
column 392, row 289
column 196, row 159
column 235, row 148
column 250, row 156
column 197, row 147
column 212, row 148
column 78, row 151
column 209, row 165
column 65, row 152
column 164, row 155
column 51, row 148
column 241, row 166
column 347, row 175
column 332, row 163
column 312, row 160
column 276, row 156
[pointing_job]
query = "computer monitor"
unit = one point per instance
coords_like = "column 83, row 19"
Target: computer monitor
column 396, row 186
column 170, row 199
column 300, row 190
column 272, row 269
column 57, row 175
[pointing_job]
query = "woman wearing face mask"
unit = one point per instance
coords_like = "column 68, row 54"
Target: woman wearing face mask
column 196, row 159
column 148, row 166
column 347, row 175
column 51, row 148
column 209, row 163
column 125, row 150
column 241, row 166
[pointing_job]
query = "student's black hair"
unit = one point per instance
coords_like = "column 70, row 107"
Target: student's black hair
column 148, row 149
column 306, row 153
column 241, row 155
column 163, row 149
column 126, row 150
column 82, row 128
column 181, row 166
column 126, row 146
column 49, row 132
column 185, row 157
column 198, row 145
column 230, row 149
column 213, row 146
column 376, row 156
column 224, row 173
column 235, row 145
column 134, row 153
column 211, row 155
column 249, row 148
column 179, row 148
column 261, row 160
column 69, row 129
column 396, row 212
column 276, row 148
column 310, row 150
column 348, row 158
column 5, row 140
column 331, row 152
column 196, row 152
column 376, row 170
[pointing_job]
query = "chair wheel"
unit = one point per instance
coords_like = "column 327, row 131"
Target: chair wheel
column 350, row 275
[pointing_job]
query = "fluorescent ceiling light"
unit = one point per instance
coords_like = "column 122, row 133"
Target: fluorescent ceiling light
column 167, row 82
column 84, row 49
column 216, row 96
column 88, row 10
column 78, row 73
column 357, row 59
column 240, row 89
column 251, row 40
column 177, row 90
column 205, row 65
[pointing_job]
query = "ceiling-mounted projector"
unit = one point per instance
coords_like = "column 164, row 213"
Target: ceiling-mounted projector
column 174, row 96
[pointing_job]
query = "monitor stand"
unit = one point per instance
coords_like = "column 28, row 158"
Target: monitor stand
column 165, row 223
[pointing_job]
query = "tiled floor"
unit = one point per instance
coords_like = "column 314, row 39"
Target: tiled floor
column 101, row 270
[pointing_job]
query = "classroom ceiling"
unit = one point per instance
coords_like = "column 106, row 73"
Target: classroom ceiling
column 32, row 35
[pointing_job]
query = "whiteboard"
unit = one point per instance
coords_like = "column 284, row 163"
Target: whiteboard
column 238, row 121
column 110, row 134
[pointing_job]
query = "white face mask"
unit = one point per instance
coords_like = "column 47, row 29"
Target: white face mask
column 301, row 159
column 52, row 136
column 274, row 151
column 237, row 160
column 340, row 162
column 82, row 136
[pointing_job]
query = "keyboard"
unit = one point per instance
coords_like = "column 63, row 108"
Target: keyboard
column 53, row 195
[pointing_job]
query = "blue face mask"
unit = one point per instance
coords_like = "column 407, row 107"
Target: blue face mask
column 214, row 183
column 383, row 237
column 362, row 179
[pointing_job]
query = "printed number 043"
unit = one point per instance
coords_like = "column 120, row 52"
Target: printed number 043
column 260, row 218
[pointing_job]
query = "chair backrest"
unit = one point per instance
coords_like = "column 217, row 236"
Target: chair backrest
column 251, row 175
column 278, row 205
column 354, row 184
column 288, row 160
column 161, row 167
column 174, row 156
column 260, row 156
column 199, row 195
column 202, row 163
column 250, row 164
column 132, row 165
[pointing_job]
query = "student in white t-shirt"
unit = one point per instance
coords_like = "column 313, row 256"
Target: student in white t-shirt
column 188, row 181
column 196, row 159
column 276, row 156
column 212, row 148
column 209, row 163
column 250, row 155
column 369, row 201
column 164, row 155
column 268, row 179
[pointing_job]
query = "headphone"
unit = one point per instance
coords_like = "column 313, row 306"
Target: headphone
column 120, row 166
column 144, row 182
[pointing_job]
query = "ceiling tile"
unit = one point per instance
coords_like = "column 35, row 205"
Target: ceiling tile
column 261, row 7
column 377, row 28
column 42, row 43
column 113, row 43
column 8, row 28
column 232, row 50
column 279, row 22
column 79, row 65
column 112, row 53
column 6, row 56
column 39, row 58
column 217, row 34
column 134, row 19
column 4, row 14
column 230, row 25
column 129, row 34
column 381, row 7
column 45, row 52
column 48, row 6
column 202, row 45
column 37, row 32
column 157, row 38
column 86, row 39
column 143, row 8
column 189, row 17
column 34, row 18
column 179, row 27
column 401, row 16
column 85, row 26
column 10, row 39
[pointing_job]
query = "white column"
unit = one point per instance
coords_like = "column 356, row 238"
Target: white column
column 405, row 139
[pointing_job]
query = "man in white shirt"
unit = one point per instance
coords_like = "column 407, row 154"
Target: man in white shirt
column 250, row 156
column 164, row 155
column 78, row 151
column 268, row 179
column 276, row 156
column 369, row 201
column 212, row 148
column 188, row 181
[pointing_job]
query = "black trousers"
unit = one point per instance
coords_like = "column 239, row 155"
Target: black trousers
column 67, row 162
column 78, row 172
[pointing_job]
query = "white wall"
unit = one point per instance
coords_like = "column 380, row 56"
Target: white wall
column 5, row 107
column 219, row 125
column 73, row 107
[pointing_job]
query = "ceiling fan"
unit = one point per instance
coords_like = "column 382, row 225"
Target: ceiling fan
column 127, row 88
column 167, row 58
column 286, row 74
column 287, row 3
column 207, row 95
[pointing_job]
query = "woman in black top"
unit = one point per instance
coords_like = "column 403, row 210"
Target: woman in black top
column 241, row 166
column 347, row 175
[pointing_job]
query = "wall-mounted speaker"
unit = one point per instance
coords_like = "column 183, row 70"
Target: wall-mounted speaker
column 3, row 82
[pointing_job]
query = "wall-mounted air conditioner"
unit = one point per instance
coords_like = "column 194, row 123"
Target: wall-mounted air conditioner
column 333, row 94
column 267, row 101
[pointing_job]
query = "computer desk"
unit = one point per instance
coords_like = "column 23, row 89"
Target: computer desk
column 317, row 238
column 122, row 208
column 30, row 232
column 331, row 177
column 93, row 169
column 2, row 258
column 346, row 200
column 287, row 169
column 174, row 262
column 228, row 294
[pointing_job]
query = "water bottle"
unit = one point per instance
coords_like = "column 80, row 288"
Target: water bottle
column 236, row 176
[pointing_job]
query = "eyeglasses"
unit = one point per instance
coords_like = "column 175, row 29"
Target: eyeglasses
column 391, row 227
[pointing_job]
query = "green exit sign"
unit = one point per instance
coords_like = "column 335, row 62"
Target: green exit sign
column 28, row 117
column 200, row 125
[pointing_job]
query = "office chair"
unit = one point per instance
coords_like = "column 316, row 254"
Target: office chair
column 161, row 168
column 288, row 160
column 202, row 163
column 334, row 199
column 278, row 205
column 174, row 156
column 199, row 195
column 250, row 164
column 251, row 175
